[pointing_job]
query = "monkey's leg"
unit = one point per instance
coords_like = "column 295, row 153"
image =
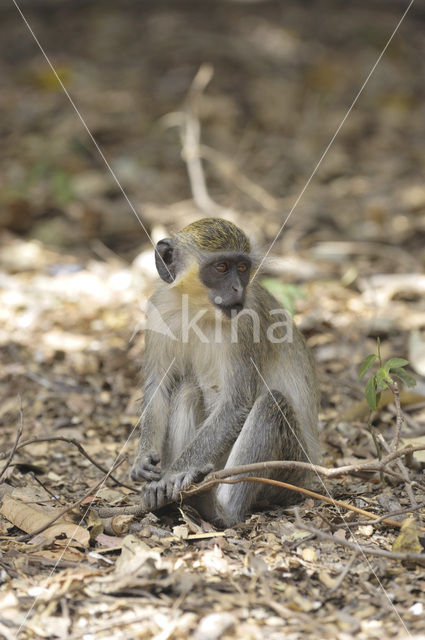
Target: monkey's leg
column 185, row 416
column 270, row 432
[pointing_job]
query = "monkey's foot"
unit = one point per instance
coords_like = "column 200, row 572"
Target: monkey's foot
column 146, row 467
column 157, row 494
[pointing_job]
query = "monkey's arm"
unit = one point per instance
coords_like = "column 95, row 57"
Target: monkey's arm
column 210, row 445
column 153, row 425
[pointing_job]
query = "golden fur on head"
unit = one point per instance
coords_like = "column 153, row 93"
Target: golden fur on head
column 215, row 234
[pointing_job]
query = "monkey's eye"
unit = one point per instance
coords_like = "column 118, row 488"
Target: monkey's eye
column 222, row 267
column 242, row 267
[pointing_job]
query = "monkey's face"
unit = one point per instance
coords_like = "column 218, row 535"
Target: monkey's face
column 226, row 277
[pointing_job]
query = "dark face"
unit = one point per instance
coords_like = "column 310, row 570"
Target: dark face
column 226, row 277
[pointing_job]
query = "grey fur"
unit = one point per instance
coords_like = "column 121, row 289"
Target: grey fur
column 213, row 409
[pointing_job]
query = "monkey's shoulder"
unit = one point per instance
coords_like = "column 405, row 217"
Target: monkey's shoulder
column 262, row 297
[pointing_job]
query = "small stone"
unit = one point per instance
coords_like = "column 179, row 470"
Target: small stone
column 212, row 626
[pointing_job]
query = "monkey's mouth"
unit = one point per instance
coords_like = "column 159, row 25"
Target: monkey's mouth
column 231, row 310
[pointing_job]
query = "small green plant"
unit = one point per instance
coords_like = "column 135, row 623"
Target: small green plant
column 384, row 376
column 286, row 294
column 378, row 382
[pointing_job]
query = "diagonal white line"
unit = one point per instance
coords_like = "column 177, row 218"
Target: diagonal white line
column 329, row 495
column 99, row 488
column 83, row 122
column 322, row 157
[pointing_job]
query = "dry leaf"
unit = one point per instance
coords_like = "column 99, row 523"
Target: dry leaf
column 309, row 554
column 30, row 519
column 417, row 351
column 120, row 524
column 326, row 579
column 415, row 442
column 181, row 531
column 408, row 540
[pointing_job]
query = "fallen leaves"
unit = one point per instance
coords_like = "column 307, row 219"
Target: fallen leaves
column 30, row 519
column 408, row 540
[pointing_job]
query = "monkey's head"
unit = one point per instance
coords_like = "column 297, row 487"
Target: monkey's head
column 209, row 259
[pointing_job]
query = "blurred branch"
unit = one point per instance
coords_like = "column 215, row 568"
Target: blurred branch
column 191, row 136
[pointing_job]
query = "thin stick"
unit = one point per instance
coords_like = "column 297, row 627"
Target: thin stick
column 310, row 494
column 140, row 509
column 218, row 476
column 190, row 137
column 404, row 473
column 372, row 465
column 383, row 553
column 70, row 507
column 399, row 414
column 18, row 435
column 398, row 512
column 80, row 448
column 343, row 573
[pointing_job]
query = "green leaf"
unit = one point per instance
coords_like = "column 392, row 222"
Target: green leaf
column 366, row 364
column 395, row 363
column 406, row 377
column 285, row 294
column 370, row 393
column 381, row 377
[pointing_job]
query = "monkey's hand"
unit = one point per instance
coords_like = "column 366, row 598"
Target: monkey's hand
column 146, row 467
column 157, row 494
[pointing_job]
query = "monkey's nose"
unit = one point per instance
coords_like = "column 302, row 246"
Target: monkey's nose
column 237, row 287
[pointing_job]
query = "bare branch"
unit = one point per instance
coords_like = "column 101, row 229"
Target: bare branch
column 80, row 448
column 222, row 476
column 191, row 139
column 344, row 573
column 399, row 414
column 363, row 549
column 403, row 470
column 15, row 444
column 70, row 507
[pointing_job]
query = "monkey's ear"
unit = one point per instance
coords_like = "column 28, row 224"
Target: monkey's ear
column 166, row 259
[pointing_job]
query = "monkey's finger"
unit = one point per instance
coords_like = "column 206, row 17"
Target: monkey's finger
column 160, row 494
column 169, row 488
column 142, row 474
column 154, row 457
column 149, row 472
column 152, row 476
column 149, row 496
column 152, row 467
column 180, row 483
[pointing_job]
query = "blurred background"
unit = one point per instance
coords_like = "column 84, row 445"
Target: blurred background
column 266, row 84
column 222, row 108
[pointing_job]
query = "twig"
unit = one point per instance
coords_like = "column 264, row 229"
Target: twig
column 306, row 492
column 46, row 489
column 70, row 507
column 190, row 137
column 343, row 573
column 140, row 509
column 215, row 478
column 398, row 512
column 393, row 386
column 15, row 444
column 383, row 553
column 403, row 470
column 228, row 169
column 76, row 444
column 336, row 472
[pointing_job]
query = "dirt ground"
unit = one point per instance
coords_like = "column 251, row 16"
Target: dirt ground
column 76, row 269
